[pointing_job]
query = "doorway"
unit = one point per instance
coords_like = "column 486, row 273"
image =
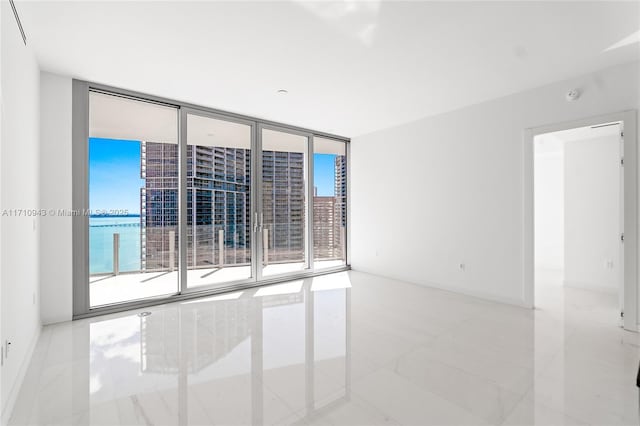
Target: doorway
column 578, row 223
column 581, row 216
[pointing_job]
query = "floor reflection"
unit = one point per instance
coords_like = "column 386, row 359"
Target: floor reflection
column 584, row 360
column 340, row 349
column 253, row 359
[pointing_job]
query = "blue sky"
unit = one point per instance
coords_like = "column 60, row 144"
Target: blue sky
column 114, row 175
column 324, row 173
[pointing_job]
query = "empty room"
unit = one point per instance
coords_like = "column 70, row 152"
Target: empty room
column 319, row 212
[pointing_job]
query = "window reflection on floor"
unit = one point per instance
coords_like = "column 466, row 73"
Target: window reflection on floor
column 255, row 357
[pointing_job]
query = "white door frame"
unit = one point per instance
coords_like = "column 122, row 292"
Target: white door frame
column 630, row 222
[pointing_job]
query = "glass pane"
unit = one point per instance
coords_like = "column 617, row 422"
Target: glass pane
column 218, row 201
column 284, row 205
column 133, row 199
column 329, row 203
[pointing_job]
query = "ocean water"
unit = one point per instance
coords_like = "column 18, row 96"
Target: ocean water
column 101, row 230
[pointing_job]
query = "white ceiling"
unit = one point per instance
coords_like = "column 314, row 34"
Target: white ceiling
column 350, row 67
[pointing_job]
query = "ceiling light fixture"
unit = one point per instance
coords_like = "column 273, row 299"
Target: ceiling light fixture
column 282, row 91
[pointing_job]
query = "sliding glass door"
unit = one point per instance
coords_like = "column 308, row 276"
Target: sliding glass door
column 284, row 204
column 133, row 199
column 182, row 200
column 329, row 203
column 219, row 200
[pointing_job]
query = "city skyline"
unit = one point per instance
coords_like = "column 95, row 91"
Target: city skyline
column 219, row 194
column 115, row 182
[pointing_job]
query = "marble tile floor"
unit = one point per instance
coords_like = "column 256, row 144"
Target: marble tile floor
column 342, row 349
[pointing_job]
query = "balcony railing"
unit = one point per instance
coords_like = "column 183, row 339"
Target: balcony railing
column 208, row 247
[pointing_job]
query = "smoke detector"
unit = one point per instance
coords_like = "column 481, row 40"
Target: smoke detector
column 572, row 95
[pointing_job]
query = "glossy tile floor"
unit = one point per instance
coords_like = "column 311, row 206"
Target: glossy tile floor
column 341, row 349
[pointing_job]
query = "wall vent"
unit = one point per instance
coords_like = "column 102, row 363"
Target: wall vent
column 15, row 13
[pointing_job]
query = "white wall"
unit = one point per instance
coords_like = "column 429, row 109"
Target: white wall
column 55, row 184
column 549, row 202
column 452, row 191
column 592, row 213
column 19, row 154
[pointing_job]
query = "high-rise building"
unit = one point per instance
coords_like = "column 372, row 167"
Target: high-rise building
column 326, row 228
column 218, row 199
column 219, row 205
column 158, row 205
column 329, row 217
column 283, row 205
column 341, row 187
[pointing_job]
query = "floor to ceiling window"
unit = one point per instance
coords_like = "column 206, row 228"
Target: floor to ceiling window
column 133, row 195
column 284, row 215
column 180, row 200
column 329, row 203
column 219, row 200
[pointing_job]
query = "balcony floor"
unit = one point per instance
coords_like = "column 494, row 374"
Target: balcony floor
column 110, row 289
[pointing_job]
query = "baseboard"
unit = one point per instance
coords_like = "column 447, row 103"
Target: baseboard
column 15, row 389
column 457, row 290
